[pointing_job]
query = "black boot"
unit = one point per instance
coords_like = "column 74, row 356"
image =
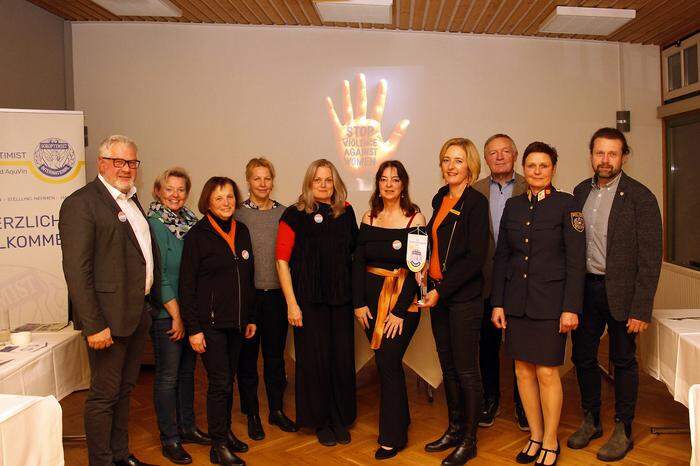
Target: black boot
column 463, row 453
column 279, row 419
column 234, row 444
column 175, row 453
column 255, row 428
column 221, row 454
column 194, row 435
column 454, row 434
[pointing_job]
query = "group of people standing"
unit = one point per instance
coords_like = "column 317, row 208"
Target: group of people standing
column 507, row 252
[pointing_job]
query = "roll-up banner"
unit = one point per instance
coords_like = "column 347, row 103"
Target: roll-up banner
column 42, row 161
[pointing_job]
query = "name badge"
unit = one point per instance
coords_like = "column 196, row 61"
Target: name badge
column 318, row 218
column 121, row 216
column 245, row 255
column 396, row 245
column 416, row 251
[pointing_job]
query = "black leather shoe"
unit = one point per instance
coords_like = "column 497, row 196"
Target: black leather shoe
column 341, row 434
column 131, row 460
column 279, row 419
column 326, row 437
column 221, row 454
column 385, row 454
column 524, row 457
column 521, row 418
column 545, row 460
column 460, row 455
column 175, row 453
column 450, row 439
column 490, row 409
column 195, row 436
column 234, row 444
column 255, row 428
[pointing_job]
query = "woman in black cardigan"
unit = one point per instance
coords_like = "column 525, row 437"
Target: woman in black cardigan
column 217, row 300
column 458, row 232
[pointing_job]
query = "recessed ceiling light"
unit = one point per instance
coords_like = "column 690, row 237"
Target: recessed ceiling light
column 586, row 21
column 140, row 7
column 355, row 11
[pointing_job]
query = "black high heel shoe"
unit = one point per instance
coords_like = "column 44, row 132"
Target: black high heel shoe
column 524, row 458
column 547, row 452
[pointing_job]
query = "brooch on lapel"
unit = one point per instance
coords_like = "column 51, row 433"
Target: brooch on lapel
column 577, row 221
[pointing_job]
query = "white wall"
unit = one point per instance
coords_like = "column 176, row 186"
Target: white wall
column 31, row 57
column 210, row 97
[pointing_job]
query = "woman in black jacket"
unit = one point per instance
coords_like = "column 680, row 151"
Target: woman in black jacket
column 458, row 232
column 538, row 278
column 217, row 300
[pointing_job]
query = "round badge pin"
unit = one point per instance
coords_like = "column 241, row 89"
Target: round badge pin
column 245, row 254
column 121, row 216
column 318, row 218
column 396, row 245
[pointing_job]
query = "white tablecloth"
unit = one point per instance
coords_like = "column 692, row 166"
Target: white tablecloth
column 670, row 350
column 30, row 431
column 58, row 369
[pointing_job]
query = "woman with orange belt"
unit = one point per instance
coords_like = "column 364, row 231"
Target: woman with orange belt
column 383, row 294
column 458, row 232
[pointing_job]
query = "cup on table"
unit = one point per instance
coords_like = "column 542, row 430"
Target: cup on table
column 21, row 338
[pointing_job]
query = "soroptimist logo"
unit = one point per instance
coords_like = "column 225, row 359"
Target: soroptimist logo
column 54, row 157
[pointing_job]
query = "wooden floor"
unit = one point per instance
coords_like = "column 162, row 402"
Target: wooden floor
column 497, row 444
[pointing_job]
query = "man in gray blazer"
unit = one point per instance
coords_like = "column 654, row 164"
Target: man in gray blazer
column 623, row 261
column 111, row 265
column 500, row 154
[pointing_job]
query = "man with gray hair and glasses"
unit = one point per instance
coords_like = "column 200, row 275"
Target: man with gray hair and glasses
column 112, row 268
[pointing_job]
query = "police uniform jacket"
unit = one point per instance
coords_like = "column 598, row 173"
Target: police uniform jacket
column 540, row 259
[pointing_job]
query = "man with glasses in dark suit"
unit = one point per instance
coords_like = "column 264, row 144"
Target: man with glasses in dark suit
column 623, row 261
column 111, row 264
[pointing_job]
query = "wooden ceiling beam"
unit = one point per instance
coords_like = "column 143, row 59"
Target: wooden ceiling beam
column 509, row 7
column 460, row 15
column 53, row 10
column 474, row 14
column 680, row 13
column 418, row 15
column 488, row 15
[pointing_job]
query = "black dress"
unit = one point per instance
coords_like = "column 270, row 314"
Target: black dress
column 385, row 248
column 539, row 271
column 320, row 266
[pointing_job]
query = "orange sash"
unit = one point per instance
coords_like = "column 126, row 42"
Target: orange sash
column 229, row 237
column 391, row 289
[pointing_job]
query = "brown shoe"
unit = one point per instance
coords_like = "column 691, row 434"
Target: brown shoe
column 617, row 445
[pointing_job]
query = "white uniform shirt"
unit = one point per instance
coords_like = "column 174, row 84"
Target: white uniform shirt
column 139, row 225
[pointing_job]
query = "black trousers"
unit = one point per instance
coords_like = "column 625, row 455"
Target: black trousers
column 394, row 414
column 456, row 328
column 489, row 358
column 586, row 339
column 325, row 366
column 113, row 375
column 271, row 320
column 220, row 360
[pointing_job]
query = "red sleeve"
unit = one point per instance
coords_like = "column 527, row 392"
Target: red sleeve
column 285, row 242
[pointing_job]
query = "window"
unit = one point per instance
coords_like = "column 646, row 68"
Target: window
column 690, row 70
column 682, row 193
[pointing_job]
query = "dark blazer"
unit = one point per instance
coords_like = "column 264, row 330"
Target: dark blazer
column 217, row 288
column 462, row 265
column 540, row 261
column 103, row 264
column 484, row 187
column 634, row 248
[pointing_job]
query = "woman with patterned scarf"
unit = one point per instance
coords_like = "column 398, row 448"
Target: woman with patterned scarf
column 173, row 388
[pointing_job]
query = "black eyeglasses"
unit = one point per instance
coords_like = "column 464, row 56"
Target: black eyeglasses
column 119, row 163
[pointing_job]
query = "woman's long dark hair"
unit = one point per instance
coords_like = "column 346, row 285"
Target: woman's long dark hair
column 377, row 204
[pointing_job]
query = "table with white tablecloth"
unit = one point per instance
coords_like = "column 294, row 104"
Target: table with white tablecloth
column 670, row 352
column 30, row 431
column 59, row 367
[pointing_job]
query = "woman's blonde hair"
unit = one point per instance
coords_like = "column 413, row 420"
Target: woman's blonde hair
column 177, row 172
column 473, row 157
column 258, row 162
column 306, row 201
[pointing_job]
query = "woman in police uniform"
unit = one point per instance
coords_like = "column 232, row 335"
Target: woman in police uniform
column 539, row 271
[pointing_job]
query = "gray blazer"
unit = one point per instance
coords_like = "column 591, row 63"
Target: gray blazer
column 634, row 248
column 104, row 267
column 484, row 188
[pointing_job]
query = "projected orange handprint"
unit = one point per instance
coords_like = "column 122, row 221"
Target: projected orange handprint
column 359, row 141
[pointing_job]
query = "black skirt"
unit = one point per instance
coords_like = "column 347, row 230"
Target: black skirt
column 535, row 341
